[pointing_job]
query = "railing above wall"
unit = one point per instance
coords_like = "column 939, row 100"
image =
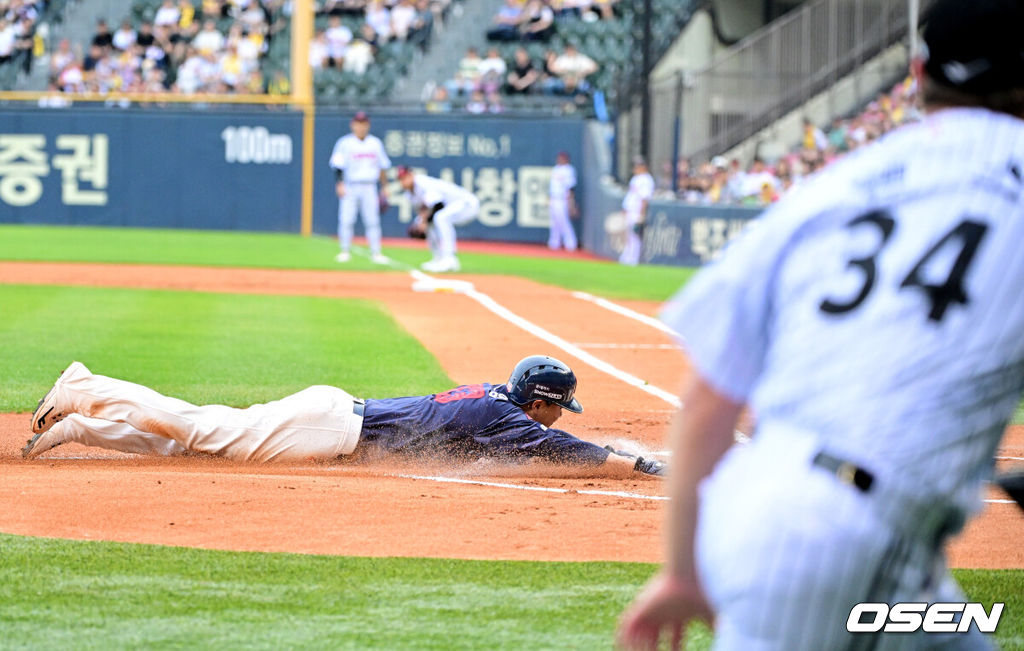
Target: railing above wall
column 776, row 70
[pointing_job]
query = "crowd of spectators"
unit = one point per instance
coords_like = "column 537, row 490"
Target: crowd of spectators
column 18, row 19
column 481, row 82
column 721, row 181
column 336, row 46
column 215, row 47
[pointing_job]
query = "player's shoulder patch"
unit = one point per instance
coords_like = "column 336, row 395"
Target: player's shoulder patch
column 497, row 395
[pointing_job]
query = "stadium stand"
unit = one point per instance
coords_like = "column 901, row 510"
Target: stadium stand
column 722, row 181
column 607, row 33
column 23, row 24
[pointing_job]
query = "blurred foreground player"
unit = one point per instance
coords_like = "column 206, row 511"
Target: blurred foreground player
column 874, row 322
column 508, row 422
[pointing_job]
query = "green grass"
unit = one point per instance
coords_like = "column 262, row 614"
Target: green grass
column 205, row 347
column 61, row 593
column 284, row 251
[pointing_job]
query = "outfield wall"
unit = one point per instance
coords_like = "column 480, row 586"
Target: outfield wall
column 242, row 169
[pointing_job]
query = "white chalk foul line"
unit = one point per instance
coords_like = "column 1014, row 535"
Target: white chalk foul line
column 631, row 346
column 541, row 489
column 625, row 311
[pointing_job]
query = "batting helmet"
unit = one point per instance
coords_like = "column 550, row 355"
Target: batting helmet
column 539, row 377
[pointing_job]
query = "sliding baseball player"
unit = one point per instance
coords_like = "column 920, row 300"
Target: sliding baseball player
column 511, row 422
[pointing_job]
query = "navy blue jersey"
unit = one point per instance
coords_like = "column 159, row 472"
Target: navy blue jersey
column 469, row 422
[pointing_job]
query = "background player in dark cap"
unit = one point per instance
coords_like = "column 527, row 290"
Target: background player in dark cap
column 510, row 422
column 874, row 322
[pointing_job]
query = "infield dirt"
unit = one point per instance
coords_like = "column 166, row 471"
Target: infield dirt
column 366, row 509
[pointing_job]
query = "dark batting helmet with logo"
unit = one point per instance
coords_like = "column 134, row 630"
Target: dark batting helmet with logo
column 539, row 377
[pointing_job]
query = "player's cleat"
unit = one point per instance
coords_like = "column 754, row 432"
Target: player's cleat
column 342, row 257
column 438, row 265
column 43, row 442
column 48, row 413
column 380, row 258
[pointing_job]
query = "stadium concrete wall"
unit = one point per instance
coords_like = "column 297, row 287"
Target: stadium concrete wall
column 240, row 170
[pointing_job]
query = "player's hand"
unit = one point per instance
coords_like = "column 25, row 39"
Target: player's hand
column 339, row 187
column 666, row 604
column 382, row 201
column 574, row 210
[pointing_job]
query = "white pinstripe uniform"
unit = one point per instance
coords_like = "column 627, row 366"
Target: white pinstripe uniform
column 641, row 189
column 563, row 180
column 362, row 162
column 460, row 207
column 876, row 316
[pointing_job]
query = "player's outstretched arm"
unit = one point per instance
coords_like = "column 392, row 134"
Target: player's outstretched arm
column 701, row 433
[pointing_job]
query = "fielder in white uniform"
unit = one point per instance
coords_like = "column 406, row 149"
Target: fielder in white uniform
column 562, row 204
column 874, row 322
column 360, row 163
column 440, row 207
column 634, row 204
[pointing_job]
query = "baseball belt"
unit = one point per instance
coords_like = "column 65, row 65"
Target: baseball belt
column 845, row 471
column 359, row 407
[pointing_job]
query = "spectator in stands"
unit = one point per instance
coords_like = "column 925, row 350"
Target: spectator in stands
column 24, row 43
column 813, row 137
column 359, row 56
column 124, row 37
column 209, row 38
column 538, row 23
column 523, row 75
column 145, row 38
column 572, row 68
column 492, row 71
column 438, row 102
column 318, row 51
column 337, row 37
column 477, row 103
column 467, row 77
column 506, row 22
column 103, row 37
column 422, row 26
column 167, row 15
column 60, row 58
column 494, row 104
column 403, row 16
column 8, row 34
column 379, row 18
column 279, row 84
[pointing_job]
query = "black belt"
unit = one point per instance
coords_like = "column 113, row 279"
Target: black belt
column 847, row 472
column 359, row 407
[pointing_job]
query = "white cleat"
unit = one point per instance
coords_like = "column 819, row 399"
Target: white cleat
column 342, row 257
column 48, row 413
column 44, row 442
column 439, row 265
column 380, row 258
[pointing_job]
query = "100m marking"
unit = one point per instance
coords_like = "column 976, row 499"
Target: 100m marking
column 256, row 145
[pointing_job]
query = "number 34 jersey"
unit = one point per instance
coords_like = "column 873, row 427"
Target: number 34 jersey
column 879, row 308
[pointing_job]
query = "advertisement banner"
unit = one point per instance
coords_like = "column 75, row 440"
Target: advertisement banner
column 152, row 168
column 506, row 162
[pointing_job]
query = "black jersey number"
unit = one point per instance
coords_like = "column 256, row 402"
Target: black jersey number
column 885, row 225
column 967, row 235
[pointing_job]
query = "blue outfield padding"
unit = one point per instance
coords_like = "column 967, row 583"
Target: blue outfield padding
column 151, row 168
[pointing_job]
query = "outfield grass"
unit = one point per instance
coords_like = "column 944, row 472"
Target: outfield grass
column 60, row 594
column 206, row 347
column 284, row 251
